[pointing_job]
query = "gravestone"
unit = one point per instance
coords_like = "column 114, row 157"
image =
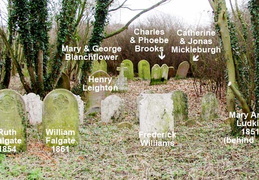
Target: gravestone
column 60, row 119
column 180, row 103
column 103, row 65
column 34, row 108
column 99, row 65
column 164, row 71
column 13, row 122
column 209, row 106
column 112, row 109
column 95, row 66
column 64, row 82
column 81, row 108
column 171, row 72
column 121, row 81
column 129, row 72
column 97, row 90
column 155, row 113
column 156, row 75
column 144, row 70
column 182, row 70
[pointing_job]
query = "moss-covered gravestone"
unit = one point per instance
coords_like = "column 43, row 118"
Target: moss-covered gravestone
column 13, row 122
column 209, row 107
column 156, row 75
column 99, row 65
column 98, row 87
column 129, row 72
column 64, row 82
column 182, row 70
column 103, row 65
column 164, row 71
column 144, row 70
column 180, row 103
column 95, row 66
column 60, row 120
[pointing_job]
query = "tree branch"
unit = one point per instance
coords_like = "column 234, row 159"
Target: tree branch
column 120, row 6
column 134, row 18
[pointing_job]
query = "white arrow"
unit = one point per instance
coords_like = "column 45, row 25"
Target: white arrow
column 161, row 56
column 195, row 58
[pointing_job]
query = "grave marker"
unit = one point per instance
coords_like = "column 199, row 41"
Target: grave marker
column 13, row 122
column 156, row 75
column 164, row 71
column 98, row 88
column 129, row 72
column 209, row 107
column 144, row 70
column 121, row 81
column 182, row 70
column 60, row 120
column 180, row 102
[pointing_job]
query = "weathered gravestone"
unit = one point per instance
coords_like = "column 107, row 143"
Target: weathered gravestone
column 97, row 66
column 155, row 112
column 13, row 122
column 164, row 72
column 171, row 72
column 103, row 65
column 180, row 103
column 209, row 107
column 81, row 108
column 121, row 81
column 182, row 70
column 112, row 109
column 98, row 88
column 60, row 120
column 156, row 75
column 34, row 108
column 64, row 82
column 144, row 70
column 129, row 72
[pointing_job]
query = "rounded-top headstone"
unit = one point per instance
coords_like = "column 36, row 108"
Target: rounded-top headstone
column 13, row 121
column 60, row 119
column 183, row 69
column 144, row 70
column 129, row 72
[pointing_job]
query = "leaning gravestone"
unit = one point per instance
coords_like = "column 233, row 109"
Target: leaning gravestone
column 209, row 107
column 156, row 75
column 99, row 86
column 144, row 70
column 34, row 108
column 129, row 72
column 182, row 70
column 121, row 81
column 60, row 120
column 13, row 122
column 112, row 109
column 180, row 103
column 164, row 72
column 155, row 112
